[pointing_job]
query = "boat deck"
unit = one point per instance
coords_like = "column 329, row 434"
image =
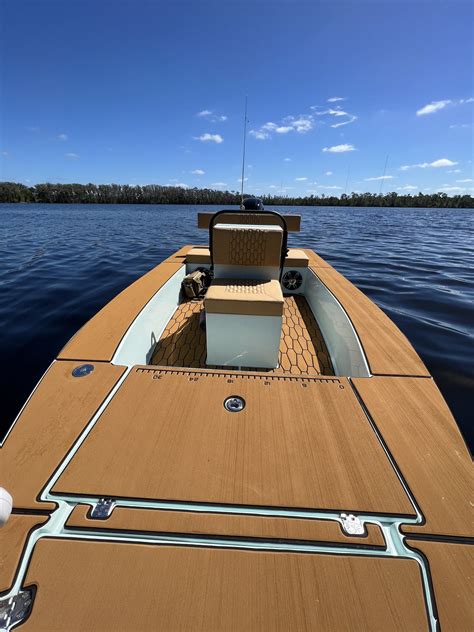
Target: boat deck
column 236, row 521
column 302, row 347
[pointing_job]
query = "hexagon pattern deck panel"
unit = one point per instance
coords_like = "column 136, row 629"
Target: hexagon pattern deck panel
column 302, row 347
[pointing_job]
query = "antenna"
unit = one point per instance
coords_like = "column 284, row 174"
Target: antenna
column 243, row 158
column 383, row 175
column 347, row 178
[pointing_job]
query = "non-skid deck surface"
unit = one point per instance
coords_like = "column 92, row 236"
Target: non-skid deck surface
column 56, row 414
column 299, row 442
column 450, row 567
column 87, row 585
column 423, row 438
column 13, row 538
column 302, row 347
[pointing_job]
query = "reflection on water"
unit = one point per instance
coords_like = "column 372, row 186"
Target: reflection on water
column 61, row 263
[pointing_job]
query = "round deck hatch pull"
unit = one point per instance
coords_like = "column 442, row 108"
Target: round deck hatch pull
column 83, row 370
column 234, row 404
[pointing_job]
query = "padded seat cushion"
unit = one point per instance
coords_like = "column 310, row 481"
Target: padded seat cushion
column 251, row 298
column 247, row 245
column 295, row 258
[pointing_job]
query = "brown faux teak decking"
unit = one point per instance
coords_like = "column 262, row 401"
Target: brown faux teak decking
column 316, row 443
column 302, row 347
column 117, row 586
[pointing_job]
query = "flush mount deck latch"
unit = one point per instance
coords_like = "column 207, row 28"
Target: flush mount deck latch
column 352, row 525
column 16, row 608
column 103, row 509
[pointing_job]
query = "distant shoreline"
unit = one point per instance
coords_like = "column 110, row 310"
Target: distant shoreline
column 48, row 193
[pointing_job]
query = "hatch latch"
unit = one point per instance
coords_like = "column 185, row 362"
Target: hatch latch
column 16, row 608
column 352, row 525
column 103, row 509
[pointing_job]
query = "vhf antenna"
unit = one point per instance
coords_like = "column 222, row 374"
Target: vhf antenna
column 382, row 179
column 243, row 158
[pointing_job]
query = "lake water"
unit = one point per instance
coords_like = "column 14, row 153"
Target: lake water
column 59, row 264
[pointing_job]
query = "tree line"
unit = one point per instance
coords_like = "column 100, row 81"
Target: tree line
column 14, row 192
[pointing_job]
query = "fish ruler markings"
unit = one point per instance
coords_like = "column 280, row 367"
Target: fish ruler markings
column 194, row 375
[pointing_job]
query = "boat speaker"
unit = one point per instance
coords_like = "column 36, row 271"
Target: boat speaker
column 292, row 280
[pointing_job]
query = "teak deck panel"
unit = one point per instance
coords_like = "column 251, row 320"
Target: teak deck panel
column 299, row 442
column 100, row 336
column 136, row 586
column 13, row 536
column 423, row 437
column 388, row 351
column 451, row 567
column 302, row 347
column 54, row 417
column 224, row 525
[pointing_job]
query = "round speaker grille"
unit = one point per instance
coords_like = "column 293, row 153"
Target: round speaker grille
column 292, row 280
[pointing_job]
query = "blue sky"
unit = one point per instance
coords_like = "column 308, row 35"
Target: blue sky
column 153, row 92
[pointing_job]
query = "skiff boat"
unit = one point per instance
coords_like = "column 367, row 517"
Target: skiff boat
column 268, row 454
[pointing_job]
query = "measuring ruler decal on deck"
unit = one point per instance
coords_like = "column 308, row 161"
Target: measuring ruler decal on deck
column 194, row 375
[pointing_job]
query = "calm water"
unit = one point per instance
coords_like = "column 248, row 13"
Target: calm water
column 61, row 263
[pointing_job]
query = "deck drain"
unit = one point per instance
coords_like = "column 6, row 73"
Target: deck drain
column 234, row 404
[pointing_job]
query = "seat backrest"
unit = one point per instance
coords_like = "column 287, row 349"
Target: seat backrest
column 244, row 251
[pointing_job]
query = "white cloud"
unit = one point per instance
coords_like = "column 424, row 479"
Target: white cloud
column 271, row 127
column 4, row 153
column 434, row 106
column 339, row 149
column 336, row 112
column 211, row 116
column 348, row 122
column 198, row 172
column 329, row 186
column 286, row 159
column 451, row 189
column 272, row 186
column 454, row 171
column 302, row 124
column 300, row 179
column 379, row 178
column 71, row 154
column 180, row 185
column 461, row 126
column 240, row 180
column 335, row 99
column 215, row 138
column 218, row 184
column 328, row 173
column 408, row 187
column 441, row 162
column 465, row 180
column 62, row 136
column 259, row 135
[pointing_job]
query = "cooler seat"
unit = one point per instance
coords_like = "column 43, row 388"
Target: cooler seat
column 243, row 322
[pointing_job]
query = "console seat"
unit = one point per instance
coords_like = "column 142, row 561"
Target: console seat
column 243, row 321
column 200, row 255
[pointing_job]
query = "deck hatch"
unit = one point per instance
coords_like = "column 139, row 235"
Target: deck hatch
column 185, row 587
column 299, row 443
